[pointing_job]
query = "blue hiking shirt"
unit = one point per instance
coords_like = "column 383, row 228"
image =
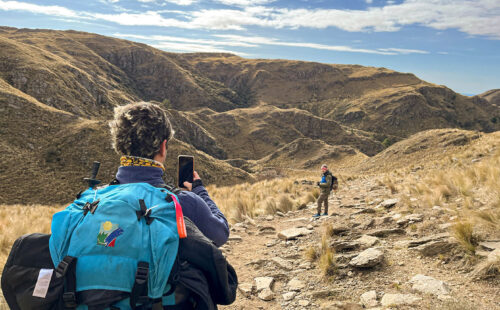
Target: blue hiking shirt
column 196, row 204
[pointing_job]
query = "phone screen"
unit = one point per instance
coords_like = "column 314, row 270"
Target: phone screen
column 186, row 169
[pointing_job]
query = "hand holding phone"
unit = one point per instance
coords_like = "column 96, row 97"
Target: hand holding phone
column 185, row 170
column 188, row 185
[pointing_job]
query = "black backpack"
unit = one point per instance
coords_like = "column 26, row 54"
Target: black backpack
column 335, row 182
column 29, row 255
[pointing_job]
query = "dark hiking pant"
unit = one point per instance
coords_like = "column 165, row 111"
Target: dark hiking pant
column 323, row 197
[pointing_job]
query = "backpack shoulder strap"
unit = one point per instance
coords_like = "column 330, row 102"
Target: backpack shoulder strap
column 170, row 188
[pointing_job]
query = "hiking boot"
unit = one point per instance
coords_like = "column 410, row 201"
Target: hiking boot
column 317, row 215
column 324, row 214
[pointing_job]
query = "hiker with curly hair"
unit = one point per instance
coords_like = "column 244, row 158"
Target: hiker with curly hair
column 141, row 133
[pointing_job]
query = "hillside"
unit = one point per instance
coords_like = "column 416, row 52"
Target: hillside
column 422, row 149
column 492, row 96
column 46, row 152
column 372, row 99
column 58, row 90
column 310, row 154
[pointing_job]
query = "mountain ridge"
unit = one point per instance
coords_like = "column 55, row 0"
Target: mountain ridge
column 227, row 107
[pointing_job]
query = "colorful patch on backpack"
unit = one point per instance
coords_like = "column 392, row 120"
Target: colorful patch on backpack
column 108, row 234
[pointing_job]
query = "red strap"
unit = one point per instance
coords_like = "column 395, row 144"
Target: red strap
column 181, row 226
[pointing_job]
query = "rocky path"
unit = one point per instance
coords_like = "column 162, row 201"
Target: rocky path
column 385, row 257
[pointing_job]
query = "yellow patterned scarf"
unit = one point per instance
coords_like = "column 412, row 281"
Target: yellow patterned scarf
column 139, row 161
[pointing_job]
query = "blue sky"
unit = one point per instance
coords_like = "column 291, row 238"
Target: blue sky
column 450, row 42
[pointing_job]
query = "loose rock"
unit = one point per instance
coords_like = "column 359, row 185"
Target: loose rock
column 234, row 238
column 367, row 241
column 266, row 295
column 389, row 203
column 293, row 233
column 429, row 285
column 399, row 299
column 369, row 299
column 368, row 258
column 416, row 242
column 262, row 283
column 283, row 264
column 289, row 296
column 296, row 285
column 436, row 247
column 246, row 289
column 386, row 231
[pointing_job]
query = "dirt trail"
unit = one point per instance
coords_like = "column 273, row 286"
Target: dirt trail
column 256, row 251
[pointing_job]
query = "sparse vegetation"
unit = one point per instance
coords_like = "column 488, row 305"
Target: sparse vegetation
column 311, row 254
column 264, row 197
column 323, row 254
column 464, row 233
column 387, row 142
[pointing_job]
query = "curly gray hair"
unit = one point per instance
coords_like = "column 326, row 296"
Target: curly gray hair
column 138, row 129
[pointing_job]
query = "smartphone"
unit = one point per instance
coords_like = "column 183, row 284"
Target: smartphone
column 185, row 169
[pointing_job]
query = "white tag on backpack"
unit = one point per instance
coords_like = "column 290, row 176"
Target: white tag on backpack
column 43, row 282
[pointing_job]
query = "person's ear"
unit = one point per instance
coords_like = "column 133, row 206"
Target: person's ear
column 163, row 148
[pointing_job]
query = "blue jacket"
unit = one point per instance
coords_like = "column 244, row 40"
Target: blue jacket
column 196, row 204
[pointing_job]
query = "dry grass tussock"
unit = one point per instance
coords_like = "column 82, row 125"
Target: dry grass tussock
column 469, row 186
column 323, row 254
column 464, row 233
column 265, row 197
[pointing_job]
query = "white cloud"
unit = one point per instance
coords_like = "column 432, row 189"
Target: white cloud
column 480, row 17
column 164, row 39
column 194, row 45
column 194, row 48
column 181, row 2
column 53, row 10
column 178, row 2
column 149, row 18
column 369, row 1
column 338, row 48
column 403, row 50
column 244, row 3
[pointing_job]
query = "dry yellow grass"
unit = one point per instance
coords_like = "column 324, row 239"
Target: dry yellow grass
column 18, row 220
column 464, row 233
column 323, row 254
column 467, row 184
column 265, row 197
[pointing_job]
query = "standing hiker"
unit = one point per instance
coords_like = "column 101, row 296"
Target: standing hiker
column 327, row 183
column 141, row 133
